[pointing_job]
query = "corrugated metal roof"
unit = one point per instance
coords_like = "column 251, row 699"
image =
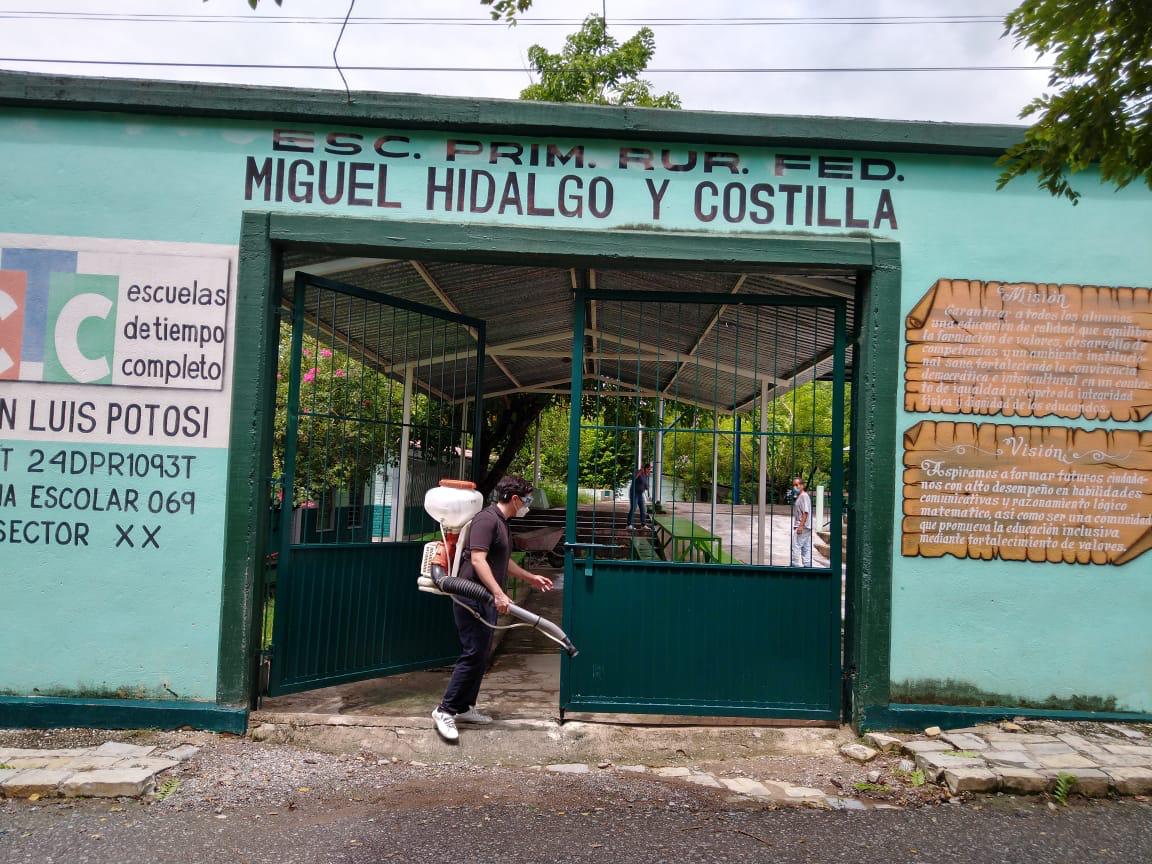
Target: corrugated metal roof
column 710, row 354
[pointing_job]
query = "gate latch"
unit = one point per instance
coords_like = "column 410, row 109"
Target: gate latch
column 588, row 559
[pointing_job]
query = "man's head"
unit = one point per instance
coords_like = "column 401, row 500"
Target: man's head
column 646, row 468
column 515, row 493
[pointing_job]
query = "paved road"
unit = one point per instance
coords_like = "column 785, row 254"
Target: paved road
column 566, row 820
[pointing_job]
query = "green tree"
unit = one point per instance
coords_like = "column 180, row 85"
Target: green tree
column 596, row 69
column 1101, row 110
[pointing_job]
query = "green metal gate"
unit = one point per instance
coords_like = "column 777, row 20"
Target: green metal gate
column 706, row 612
column 376, row 412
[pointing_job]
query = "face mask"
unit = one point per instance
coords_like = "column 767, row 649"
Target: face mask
column 523, row 511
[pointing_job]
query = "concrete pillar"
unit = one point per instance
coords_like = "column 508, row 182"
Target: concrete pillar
column 736, row 465
column 658, row 469
column 463, row 438
column 818, row 514
column 400, row 499
column 715, row 467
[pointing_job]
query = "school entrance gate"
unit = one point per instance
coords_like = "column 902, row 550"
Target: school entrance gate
column 707, row 609
column 704, row 374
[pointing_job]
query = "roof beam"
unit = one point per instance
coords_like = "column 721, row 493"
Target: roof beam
column 715, row 365
column 648, row 391
column 800, row 376
column 704, row 333
column 539, row 387
column 814, row 285
column 367, row 356
column 335, row 265
column 491, row 350
column 442, row 295
column 629, row 391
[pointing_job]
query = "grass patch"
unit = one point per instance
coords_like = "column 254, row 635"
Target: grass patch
column 913, row 778
column 950, row 691
column 879, row 788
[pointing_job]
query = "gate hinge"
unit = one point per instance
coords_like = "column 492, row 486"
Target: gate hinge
column 265, row 669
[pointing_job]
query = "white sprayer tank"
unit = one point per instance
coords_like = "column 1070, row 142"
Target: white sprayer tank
column 453, row 507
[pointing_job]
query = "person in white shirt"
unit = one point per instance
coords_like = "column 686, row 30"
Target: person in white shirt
column 801, row 525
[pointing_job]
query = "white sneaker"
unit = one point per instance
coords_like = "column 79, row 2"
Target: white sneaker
column 445, row 724
column 473, row 715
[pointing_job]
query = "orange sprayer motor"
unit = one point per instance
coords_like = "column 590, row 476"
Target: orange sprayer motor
column 454, row 504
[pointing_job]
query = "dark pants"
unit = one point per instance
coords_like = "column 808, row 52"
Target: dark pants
column 464, row 686
column 637, row 501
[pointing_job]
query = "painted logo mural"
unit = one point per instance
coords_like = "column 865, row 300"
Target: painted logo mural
column 72, row 317
column 114, row 411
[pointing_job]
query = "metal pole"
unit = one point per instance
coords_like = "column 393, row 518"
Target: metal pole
column 736, row 465
column 657, row 484
column 762, row 490
column 715, row 467
column 536, row 461
column 401, row 494
column 639, row 445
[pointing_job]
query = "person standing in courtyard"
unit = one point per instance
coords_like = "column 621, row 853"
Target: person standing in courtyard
column 487, row 559
column 637, row 489
column 801, row 525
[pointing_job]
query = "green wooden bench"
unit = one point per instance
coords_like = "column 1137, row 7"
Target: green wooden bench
column 689, row 541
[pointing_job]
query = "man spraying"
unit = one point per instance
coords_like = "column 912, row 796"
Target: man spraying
column 801, row 525
column 487, row 559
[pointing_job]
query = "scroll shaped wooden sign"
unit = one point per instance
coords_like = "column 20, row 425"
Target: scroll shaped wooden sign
column 1027, row 493
column 1030, row 350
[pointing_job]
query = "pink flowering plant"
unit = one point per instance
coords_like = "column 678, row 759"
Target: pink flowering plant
column 349, row 419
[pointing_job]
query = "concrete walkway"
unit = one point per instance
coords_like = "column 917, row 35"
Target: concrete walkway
column 111, row 770
column 1092, row 759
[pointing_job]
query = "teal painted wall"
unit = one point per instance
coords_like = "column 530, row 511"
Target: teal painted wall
column 1021, row 629
column 1028, row 630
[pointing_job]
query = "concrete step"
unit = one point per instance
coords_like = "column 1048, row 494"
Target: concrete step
column 543, row 742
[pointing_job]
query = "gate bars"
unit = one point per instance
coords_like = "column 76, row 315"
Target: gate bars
column 726, row 423
column 372, row 414
column 376, row 404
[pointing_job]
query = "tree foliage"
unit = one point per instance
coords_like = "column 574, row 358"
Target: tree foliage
column 507, row 9
column 1101, row 110
column 596, row 69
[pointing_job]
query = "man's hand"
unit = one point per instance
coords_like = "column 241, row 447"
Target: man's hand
column 501, row 600
column 543, row 583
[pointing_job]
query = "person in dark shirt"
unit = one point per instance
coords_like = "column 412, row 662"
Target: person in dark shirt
column 487, row 560
column 636, row 492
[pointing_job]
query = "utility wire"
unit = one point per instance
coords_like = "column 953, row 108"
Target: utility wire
column 686, row 21
column 685, row 70
column 347, row 92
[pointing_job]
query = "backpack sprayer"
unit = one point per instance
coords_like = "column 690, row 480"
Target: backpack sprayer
column 454, row 504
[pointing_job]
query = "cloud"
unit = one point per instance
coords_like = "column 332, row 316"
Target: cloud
column 987, row 97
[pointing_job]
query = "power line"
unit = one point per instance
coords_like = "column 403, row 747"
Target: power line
column 732, row 21
column 519, row 70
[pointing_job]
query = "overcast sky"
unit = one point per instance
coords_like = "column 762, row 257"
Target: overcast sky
column 197, row 34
